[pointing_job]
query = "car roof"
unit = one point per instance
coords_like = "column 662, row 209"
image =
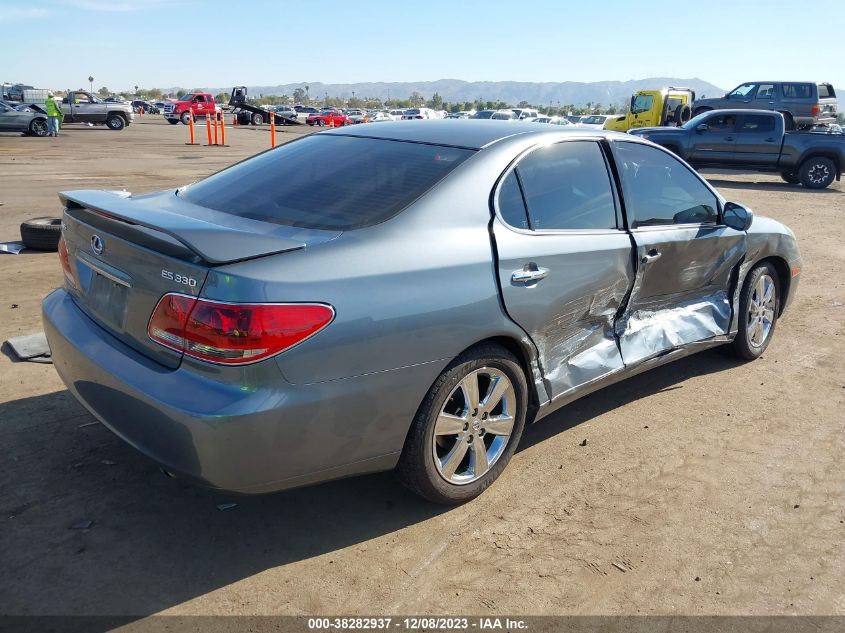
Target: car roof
column 468, row 133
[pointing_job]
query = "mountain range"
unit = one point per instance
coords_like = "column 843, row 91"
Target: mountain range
column 511, row 92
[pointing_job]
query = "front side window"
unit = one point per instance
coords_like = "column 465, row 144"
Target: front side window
column 744, row 91
column 660, row 190
column 721, row 123
column 567, row 187
column 316, row 182
column 766, row 92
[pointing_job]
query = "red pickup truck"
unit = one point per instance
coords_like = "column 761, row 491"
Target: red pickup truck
column 200, row 103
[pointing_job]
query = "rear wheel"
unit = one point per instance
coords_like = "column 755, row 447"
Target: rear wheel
column 759, row 304
column 791, row 177
column 257, row 119
column 38, row 127
column 817, row 172
column 321, row 122
column 467, row 428
column 116, row 122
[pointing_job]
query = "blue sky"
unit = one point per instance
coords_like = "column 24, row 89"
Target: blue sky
column 222, row 43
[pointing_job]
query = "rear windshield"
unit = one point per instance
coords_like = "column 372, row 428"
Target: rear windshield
column 328, row 181
column 826, row 91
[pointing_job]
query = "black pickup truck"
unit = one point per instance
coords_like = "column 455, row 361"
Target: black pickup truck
column 754, row 140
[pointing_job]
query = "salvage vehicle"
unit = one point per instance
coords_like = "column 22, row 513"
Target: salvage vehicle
column 802, row 103
column 286, row 321
column 755, row 140
column 652, row 108
column 79, row 106
column 247, row 112
column 22, row 118
column 200, row 104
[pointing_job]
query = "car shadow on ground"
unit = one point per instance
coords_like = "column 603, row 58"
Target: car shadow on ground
column 767, row 186
column 154, row 542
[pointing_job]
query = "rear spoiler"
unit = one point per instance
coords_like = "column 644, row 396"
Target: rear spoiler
column 214, row 237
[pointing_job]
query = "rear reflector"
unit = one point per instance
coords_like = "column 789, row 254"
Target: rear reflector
column 64, row 258
column 234, row 333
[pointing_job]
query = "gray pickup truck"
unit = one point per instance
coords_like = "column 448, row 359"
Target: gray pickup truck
column 82, row 107
column 755, row 140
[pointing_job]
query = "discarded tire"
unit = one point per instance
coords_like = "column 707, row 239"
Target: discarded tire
column 42, row 233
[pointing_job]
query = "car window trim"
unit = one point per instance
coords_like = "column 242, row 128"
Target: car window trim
column 720, row 201
column 511, row 168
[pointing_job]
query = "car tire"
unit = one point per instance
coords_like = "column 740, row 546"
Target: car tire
column 758, row 311
column 257, row 119
column 185, row 118
column 425, row 466
column 42, row 233
column 173, row 121
column 698, row 111
column 38, row 127
column 115, row 122
column 321, row 123
column 817, row 172
column 791, row 177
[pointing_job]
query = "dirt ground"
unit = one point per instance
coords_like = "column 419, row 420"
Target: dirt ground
column 706, row 487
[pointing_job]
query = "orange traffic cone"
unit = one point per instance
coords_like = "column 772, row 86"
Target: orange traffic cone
column 331, row 121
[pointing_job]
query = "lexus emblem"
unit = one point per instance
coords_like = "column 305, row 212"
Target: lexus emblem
column 97, row 244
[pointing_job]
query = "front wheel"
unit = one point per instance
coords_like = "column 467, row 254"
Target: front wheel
column 791, row 177
column 817, row 172
column 115, row 122
column 257, row 119
column 759, row 304
column 38, row 127
column 173, row 121
column 321, row 123
column 185, row 117
column 467, row 428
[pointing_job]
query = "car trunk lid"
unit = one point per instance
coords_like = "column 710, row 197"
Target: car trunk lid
column 126, row 252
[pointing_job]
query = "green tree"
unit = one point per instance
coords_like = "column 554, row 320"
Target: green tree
column 436, row 102
column 180, row 93
column 103, row 92
column 222, row 97
column 299, row 95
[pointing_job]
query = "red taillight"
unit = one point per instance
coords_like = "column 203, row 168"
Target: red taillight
column 64, row 258
column 816, row 109
column 234, row 334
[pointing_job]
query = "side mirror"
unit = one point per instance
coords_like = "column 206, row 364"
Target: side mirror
column 737, row 216
column 702, row 127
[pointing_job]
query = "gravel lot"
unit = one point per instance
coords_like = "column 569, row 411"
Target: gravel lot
column 706, row 487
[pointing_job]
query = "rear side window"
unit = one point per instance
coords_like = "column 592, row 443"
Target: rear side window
column 512, row 204
column 567, row 186
column 757, row 123
column 660, row 190
column 328, row 181
column 826, row 91
column 798, row 91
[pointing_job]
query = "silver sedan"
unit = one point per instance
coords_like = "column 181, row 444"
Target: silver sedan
column 405, row 297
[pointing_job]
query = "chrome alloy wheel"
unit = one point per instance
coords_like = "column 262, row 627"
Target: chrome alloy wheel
column 474, row 426
column 761, row 311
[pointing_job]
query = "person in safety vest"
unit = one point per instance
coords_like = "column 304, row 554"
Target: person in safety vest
column 54, row 115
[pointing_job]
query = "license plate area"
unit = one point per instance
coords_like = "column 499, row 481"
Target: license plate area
column 104, row 293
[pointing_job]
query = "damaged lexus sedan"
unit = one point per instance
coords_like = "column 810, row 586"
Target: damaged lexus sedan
column 285, row 321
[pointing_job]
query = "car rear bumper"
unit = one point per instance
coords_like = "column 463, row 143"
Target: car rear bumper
column 246, row 437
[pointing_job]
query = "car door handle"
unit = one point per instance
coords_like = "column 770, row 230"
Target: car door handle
column 530, row 273
column 652, row 256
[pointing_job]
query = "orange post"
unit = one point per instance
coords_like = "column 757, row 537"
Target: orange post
column 331, row 120
column 223, row 129
column 208, row 127
column 215, row 129
column 191, row 127
column 272, row 130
